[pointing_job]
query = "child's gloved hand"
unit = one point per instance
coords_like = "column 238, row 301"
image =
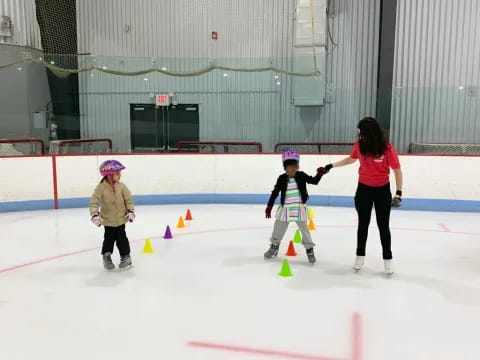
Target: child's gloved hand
column 130, row 216
column 321, row 171
column 96, row 219
column 328, row 168
column 268, row 212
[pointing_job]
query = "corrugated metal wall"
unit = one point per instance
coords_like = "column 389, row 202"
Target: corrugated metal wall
column 25, row 27
column 437, row 70
column 352, row 68
column 252, row 33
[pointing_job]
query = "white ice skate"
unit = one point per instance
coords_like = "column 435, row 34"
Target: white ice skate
column 388, row 267
column 359, row 262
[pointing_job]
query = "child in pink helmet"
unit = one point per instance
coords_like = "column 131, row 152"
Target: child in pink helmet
column 117, row 208
column 292, row 187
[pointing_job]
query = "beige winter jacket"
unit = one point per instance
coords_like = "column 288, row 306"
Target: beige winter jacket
column 114, row 205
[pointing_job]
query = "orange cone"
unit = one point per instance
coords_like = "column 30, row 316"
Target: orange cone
column 189, row 215
column 311, row 225
column 291, row 249
column 181, row 223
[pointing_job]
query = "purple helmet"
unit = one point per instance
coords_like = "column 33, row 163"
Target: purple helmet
column 110, row 167
column 290, row 155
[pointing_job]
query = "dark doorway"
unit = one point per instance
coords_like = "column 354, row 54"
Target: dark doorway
column 160, row 128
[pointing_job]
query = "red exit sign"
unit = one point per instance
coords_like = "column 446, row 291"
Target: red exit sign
column 162, row 100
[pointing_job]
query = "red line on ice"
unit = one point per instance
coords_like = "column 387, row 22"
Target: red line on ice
column 56, row 257
column 445, row 228
column 249, row 350
column 51, row 258
column 356, row 347
column 356, row 337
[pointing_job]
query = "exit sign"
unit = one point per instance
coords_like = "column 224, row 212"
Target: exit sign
column 162, row 100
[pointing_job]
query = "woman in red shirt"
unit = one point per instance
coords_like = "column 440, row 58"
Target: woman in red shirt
column 376, row 157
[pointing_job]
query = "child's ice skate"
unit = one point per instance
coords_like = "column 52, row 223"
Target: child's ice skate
column 359, row 262
column 125, row 262
column 107, row 261
column 272, row 252
column 311, row 256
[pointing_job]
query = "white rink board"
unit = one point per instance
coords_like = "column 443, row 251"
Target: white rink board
column 30, row 178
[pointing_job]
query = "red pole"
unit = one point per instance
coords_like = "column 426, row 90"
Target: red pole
column 55, row 188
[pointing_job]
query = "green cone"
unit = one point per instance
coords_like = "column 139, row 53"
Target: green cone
column 298, row 237
column 285, row 271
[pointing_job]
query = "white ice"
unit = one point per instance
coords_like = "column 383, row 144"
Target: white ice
column 210, row 285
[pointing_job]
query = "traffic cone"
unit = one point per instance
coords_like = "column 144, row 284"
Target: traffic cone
column 291, row 250
column 311, row 225
column 297, row 239
column 147, row 249
column 285, row 271
column 168, row 233
column 311, row 214
column 189, row 215
column 181, row 223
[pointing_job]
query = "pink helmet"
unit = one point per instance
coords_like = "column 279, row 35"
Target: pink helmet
column 110, row 167
column 290, row 155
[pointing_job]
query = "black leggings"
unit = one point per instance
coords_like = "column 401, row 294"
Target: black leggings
column 365, row 198
column 116, row 234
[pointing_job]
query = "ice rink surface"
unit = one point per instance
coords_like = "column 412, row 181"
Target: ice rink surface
column 209, row 294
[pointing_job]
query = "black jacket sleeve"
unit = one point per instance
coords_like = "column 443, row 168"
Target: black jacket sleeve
column 314, row 180
column 275, row 192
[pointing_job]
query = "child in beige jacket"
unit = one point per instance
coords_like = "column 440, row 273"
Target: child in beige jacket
column 117, row 208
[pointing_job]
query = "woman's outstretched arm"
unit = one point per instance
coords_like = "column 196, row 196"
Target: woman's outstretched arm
column 347, row 161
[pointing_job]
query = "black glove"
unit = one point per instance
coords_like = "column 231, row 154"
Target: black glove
column 268, row 212
column 328, row 168
column 397, row 199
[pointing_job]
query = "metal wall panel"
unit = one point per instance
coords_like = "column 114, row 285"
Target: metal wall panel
column 437, row 72
column 25, row 27
column 351, row 68
column 252, row 33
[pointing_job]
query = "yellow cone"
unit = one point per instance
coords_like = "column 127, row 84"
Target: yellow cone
column 147, row 249
column 311, row 225
column 181, row 223
column 311, row 214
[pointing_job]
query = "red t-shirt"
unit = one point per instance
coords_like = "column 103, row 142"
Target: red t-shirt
column 376, row 171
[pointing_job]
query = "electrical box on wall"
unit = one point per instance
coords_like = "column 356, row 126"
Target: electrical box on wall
column 309, row 52
column 309, row 90
column 305, row 12
column 6, row 27
column 39, row 125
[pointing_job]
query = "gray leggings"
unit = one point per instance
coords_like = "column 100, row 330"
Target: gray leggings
column 281, row 227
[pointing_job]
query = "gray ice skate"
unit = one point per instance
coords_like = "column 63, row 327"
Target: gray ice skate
column 107, row 261
column 311, row 256
column 125, row 262
column 272, row 252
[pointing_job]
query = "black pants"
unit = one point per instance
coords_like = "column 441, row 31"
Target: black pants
column 116, row 234
column 365, row 198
